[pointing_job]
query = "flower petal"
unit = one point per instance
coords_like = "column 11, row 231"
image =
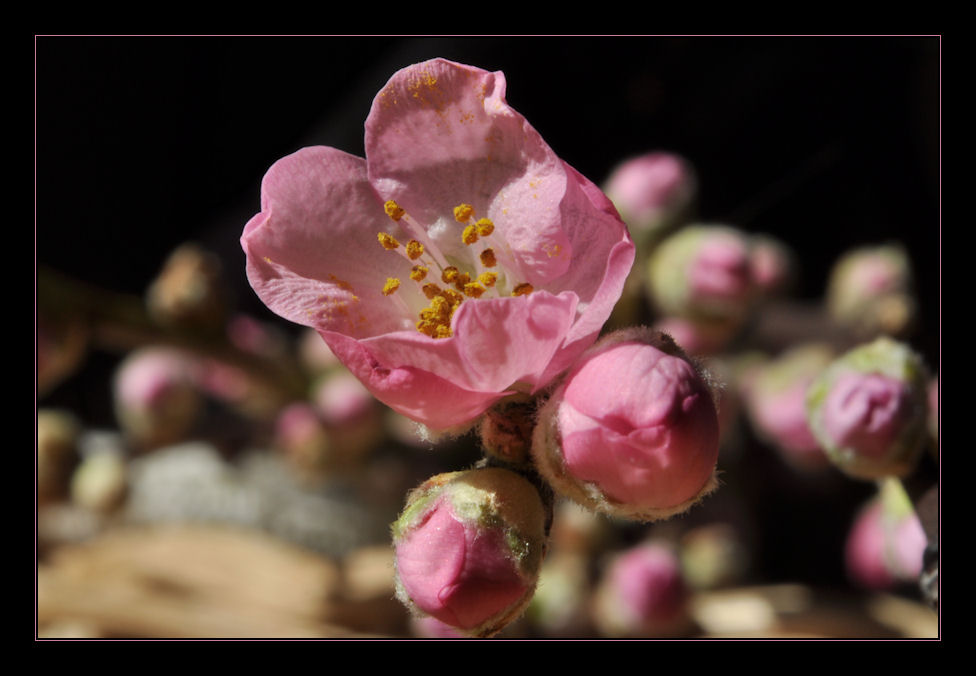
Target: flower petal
column 305, row 249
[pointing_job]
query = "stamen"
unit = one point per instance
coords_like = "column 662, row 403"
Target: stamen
column 473, row 290
column 443, row 331
column 431, row 290
column 488, row 258
column 523, row 289
column 470, row 235
column 414, row 249
column 462, row 279
column 450, row 274
column 463, row 212
column 392, row 284
column 488, row 278
column 388, row 241
column 393, row 210
column 417, row 273
column 485, row 226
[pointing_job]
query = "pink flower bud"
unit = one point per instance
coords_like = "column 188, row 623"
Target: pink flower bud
column 650, row 190
column 156, row 400
column 632, row 430
column 772, row 265
column 869, row 410
column 302, row 437
column 777, row 403
column 643, row 593
column 870, row 291
column 469, row 547
column 886, row 543
column 703, row 272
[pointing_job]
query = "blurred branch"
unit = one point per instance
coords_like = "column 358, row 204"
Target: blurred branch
column 119, row 322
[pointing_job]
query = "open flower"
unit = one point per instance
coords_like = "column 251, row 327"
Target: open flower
column 461, row 261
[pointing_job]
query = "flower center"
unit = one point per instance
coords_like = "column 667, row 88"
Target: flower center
column 456, row 284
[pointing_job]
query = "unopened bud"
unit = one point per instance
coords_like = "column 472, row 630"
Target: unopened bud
column 869, row 410
column 643, row 594
column 651, row 191
column 188, row 291
column 703, row 272
column 469, row 547
column 870, row 291
column 632, row 430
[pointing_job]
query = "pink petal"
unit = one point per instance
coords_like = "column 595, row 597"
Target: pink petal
column 309, row 250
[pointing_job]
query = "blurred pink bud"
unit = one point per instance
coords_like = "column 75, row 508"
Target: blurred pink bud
column 314, row 353
column 886, row 543
column 632, row 430
column 703, row 272
column 772, row 265
column 869, row 410
column 302, row 437
column 643, row 593
column 650, row 190
column 777, row 403
column 469, row 547
column 350, row 413
column 870, row 291
column 189, row 291
column 156, row 401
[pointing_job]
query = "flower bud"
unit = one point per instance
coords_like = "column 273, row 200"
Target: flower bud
column 643, row 593
column 870, row 291
column 777, row 403
column 773, row 265
column 886, row 543
column 703, row 272
column 351, row 415
column 650, row 191
column 301, row 436
column 632, row 430
column 156, row 401
column 869, row 410
column 188, row 292
column 469, row 547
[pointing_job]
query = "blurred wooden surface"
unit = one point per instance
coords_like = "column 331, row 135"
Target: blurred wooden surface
column 197, row 582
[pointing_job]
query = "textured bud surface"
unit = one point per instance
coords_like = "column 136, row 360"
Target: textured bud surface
column 632, row 431
column 869, row 410
column 469, row 546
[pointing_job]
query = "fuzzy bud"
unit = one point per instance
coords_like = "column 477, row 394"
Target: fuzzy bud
column 156, row 399
column 643, row 593
column 650, row 191
column 870, row 291
column 189, row 291
column 469, row 547
column 777, row 403
column 886, row 543
column 703, row 272
column 632, row 430
column 869, row 410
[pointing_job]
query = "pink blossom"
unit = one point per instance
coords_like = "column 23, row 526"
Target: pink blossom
column 643, row 593
column 451, row 171
column 469, row 548
column 866, row 411
column 632, row 430
column 650, row 189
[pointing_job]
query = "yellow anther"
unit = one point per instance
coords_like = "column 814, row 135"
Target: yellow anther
column 473, row 290
column 450, row 274
column 463, row 212
column 462, row 279
column 443, row 331
column 485, row 226
column 417, row 273
column 392, row 284
column 393, row 210
column 453, row 297
column 414, row 249
column 427, row 327
column 523, row 289
column 441, row 306
column 431, row 290
column 488, row 278
column 488, row 258
column 388, row 241
column 470, row 235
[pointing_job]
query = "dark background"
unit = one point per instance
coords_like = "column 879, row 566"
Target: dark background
column 828, row 143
